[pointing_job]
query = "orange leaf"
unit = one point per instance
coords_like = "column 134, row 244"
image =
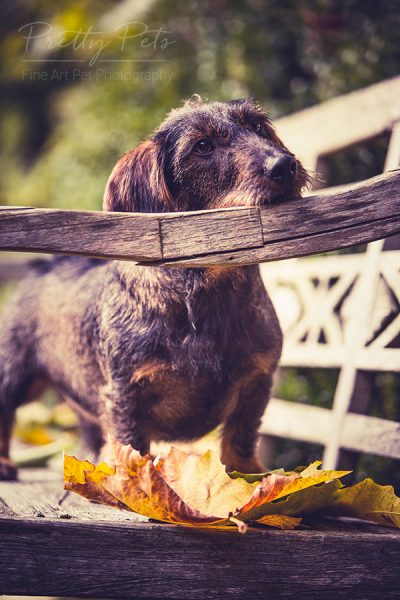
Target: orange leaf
column 87, row 480
column 138, row 485
column 188, row 489
column 280, row 521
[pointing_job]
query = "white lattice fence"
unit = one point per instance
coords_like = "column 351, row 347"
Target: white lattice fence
column 340, row 311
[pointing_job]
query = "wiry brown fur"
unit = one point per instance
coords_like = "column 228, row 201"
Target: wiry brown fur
column 149, row 353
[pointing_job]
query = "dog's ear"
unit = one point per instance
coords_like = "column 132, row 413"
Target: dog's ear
column 137, row 182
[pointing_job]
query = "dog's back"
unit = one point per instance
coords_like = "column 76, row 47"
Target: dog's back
column 47, row 313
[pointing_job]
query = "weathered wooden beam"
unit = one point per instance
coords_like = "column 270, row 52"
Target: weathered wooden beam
column 319, row 223
column 154, row 561
column 91, row 233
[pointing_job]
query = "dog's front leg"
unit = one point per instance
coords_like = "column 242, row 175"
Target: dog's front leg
column 239, row 436
column 122, row 417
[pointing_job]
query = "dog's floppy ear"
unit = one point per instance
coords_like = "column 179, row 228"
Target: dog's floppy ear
column 137, row 182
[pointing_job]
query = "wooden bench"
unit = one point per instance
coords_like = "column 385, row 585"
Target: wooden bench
column 78, row 549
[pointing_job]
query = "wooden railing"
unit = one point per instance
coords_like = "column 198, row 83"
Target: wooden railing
column 232, row 236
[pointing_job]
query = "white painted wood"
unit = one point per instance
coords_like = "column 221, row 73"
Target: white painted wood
column 360, row 433
column 315, row 312
column 356, row 335
column 296, row 421
column 342, row 121
column 366, row 288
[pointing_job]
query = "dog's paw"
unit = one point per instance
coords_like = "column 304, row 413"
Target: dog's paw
column 8, row 470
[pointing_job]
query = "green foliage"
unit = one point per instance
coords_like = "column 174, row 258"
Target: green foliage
column 62, row 136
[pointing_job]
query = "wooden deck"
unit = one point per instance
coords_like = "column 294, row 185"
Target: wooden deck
column 80, row 549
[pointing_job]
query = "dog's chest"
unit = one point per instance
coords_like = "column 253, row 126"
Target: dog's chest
column 179, row 405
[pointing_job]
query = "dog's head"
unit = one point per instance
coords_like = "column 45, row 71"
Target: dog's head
column 206, row 155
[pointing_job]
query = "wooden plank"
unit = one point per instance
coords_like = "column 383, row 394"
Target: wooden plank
column 315, row 356
column 154, row 561
column 371, row 435
column 380, row 359
column 360, row 433
column 331, row 357
column 319, row 223
column 296, row 421
column 90, row 233
column 38, row 492
column 185, row 235
column 364, row 202
column 295, row 247
column 367, row 211
column 342, row 121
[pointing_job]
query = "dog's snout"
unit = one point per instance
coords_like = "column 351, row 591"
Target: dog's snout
column 281, row 168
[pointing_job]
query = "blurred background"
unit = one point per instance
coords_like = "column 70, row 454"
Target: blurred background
column 81, row 83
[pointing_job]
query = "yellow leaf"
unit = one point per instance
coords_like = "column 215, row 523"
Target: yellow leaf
column 280, row 521
column 278, row 486
column 202, row 482
column 193, row 490
column 138, row 485
column 370, row 501
column 305, row 501
column 35, row 434
column 88, row 480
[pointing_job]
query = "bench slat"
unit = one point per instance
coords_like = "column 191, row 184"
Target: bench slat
column 81, row 549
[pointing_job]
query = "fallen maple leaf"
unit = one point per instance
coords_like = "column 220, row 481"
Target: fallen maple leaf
column 88, row 480
column 370, row 501
column 203, row 482
column 277, row 486
column 139, row 486
column 194, row 490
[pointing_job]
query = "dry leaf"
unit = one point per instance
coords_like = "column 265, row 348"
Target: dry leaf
column 88, row 480
column 280, row 521
column 278, row 486
column 203, row 483
column 138, row 485
column 370, row 501
column 194, row 490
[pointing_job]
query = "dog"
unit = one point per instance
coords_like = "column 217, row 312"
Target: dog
column 151, row 353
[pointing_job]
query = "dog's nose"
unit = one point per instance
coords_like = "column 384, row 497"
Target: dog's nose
column 281, row 168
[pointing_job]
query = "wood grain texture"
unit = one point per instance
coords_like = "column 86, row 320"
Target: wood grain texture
column 320, row 223
column 85, row 550
column 295, row 247
column 89, row 233
column 186, row 235
column 152, row 561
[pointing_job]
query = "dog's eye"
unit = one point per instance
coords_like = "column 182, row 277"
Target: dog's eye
column 203, row 147
column 258, row 128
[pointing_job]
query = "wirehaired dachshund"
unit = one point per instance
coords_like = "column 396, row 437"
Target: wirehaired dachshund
column 151, row 353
